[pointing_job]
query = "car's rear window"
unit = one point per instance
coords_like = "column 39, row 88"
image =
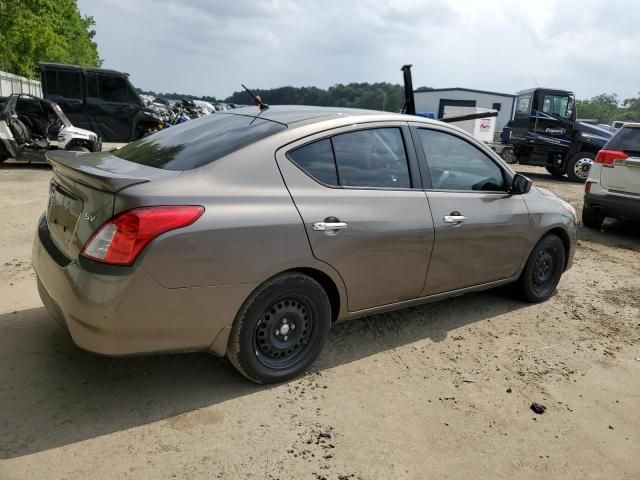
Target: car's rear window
column 198, row 142
column 626, row 139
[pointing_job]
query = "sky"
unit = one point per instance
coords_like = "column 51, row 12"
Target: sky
column 209, row 47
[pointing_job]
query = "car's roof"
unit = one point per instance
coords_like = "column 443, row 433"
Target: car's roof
column 299, row 115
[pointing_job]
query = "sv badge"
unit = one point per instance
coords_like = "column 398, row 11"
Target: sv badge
column 89, row 216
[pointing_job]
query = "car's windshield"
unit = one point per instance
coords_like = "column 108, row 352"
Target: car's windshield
column 198, row 142
column 58, row 112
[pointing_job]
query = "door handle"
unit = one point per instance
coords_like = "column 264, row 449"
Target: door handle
column 329, row 227
column 454, row 219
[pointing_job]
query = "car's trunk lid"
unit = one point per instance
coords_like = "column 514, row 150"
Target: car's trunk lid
column 82, row 194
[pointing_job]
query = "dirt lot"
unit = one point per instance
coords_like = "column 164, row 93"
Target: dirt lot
column 440, row 391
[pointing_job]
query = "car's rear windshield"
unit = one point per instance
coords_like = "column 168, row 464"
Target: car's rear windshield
column 198, row 142
column 627, row 139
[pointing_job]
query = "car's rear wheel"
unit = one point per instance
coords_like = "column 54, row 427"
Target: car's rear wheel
column 281, row 329
column 579, row 166
column 591, row 218
column 543, row 270
column 555, row 171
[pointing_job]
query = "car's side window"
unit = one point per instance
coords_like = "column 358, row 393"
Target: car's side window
column 317, row 160
column 455, row 164
column 372, row 158
column 365, row 158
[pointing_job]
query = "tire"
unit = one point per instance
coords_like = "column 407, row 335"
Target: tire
column 591, row 219
column 542, row 271
column 555, row 171
column 579, row 166
column 259, row 349
column 79, row 148
column 509, row 155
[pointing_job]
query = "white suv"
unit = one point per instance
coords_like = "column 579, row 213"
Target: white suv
column 613, row 186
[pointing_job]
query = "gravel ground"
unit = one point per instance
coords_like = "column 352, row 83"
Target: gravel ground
column 439, row 391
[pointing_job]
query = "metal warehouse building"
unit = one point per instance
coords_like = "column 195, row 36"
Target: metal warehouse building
column 433, row 102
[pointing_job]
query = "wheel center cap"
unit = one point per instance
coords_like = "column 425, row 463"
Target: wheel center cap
column 284, row 329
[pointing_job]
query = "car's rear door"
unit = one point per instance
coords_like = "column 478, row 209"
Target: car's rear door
column 480, row 229
column 622, row 174
column 112, row 104
column 359, row 194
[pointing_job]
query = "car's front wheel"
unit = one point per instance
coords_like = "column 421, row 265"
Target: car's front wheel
column 280, row 329
column 579, row 166
column 543, row 270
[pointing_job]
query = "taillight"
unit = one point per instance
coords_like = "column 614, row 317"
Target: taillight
column 608, row 157
column 120, row 240
column 587, row 186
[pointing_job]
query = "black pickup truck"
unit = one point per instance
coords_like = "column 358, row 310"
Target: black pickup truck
column 103, row 101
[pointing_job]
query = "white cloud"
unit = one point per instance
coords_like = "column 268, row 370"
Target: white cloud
column 210, row 47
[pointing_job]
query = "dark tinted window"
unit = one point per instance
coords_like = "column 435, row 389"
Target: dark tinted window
column 457, row 165
column 112, row 88
column 317, row 160
column 496, row 106
column 64, row 83
column 198, row 142
column 92, row 85
column 626, row 139
column 372, row 158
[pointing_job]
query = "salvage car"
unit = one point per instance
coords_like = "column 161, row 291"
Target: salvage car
column 28, row 124
column 249, row 233
column 613, row 187
column 101, row 100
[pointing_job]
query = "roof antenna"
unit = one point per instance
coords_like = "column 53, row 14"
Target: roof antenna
column 256, row 98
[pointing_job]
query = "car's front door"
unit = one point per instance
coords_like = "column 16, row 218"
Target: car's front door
column 359, row 195
column 554, row 118
column 480, row 229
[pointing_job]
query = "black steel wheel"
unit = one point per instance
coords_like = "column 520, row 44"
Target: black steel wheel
column 281, row 329
column 543, row 270
column 285, row 329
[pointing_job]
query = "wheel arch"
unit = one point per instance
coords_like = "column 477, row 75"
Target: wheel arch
column 329, row 286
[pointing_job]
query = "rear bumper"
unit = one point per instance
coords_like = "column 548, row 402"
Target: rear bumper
column 613, row 205
column 127, row 312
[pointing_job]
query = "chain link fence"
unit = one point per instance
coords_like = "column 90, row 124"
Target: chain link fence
column 10, row 83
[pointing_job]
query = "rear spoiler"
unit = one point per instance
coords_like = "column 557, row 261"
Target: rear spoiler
column 85, row 168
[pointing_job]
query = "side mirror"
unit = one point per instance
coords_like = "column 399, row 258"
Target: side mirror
column 520, row 184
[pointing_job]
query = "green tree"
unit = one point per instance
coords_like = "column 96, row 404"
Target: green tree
column 378, row 96
column 32, row 31
column 603, row 107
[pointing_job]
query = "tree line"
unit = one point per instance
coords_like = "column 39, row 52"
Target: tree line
column 44, row 30
column 606, row 108
column 376, row 96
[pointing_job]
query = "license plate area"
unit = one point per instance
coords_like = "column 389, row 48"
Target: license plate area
column 62, row 215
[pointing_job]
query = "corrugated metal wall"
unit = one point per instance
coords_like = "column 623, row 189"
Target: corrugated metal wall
column 10, row 83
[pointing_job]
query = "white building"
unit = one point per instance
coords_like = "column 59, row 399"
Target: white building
column 10, row 84
column 433, row 102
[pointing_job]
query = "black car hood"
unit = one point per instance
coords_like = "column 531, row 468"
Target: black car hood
column 593, row 130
